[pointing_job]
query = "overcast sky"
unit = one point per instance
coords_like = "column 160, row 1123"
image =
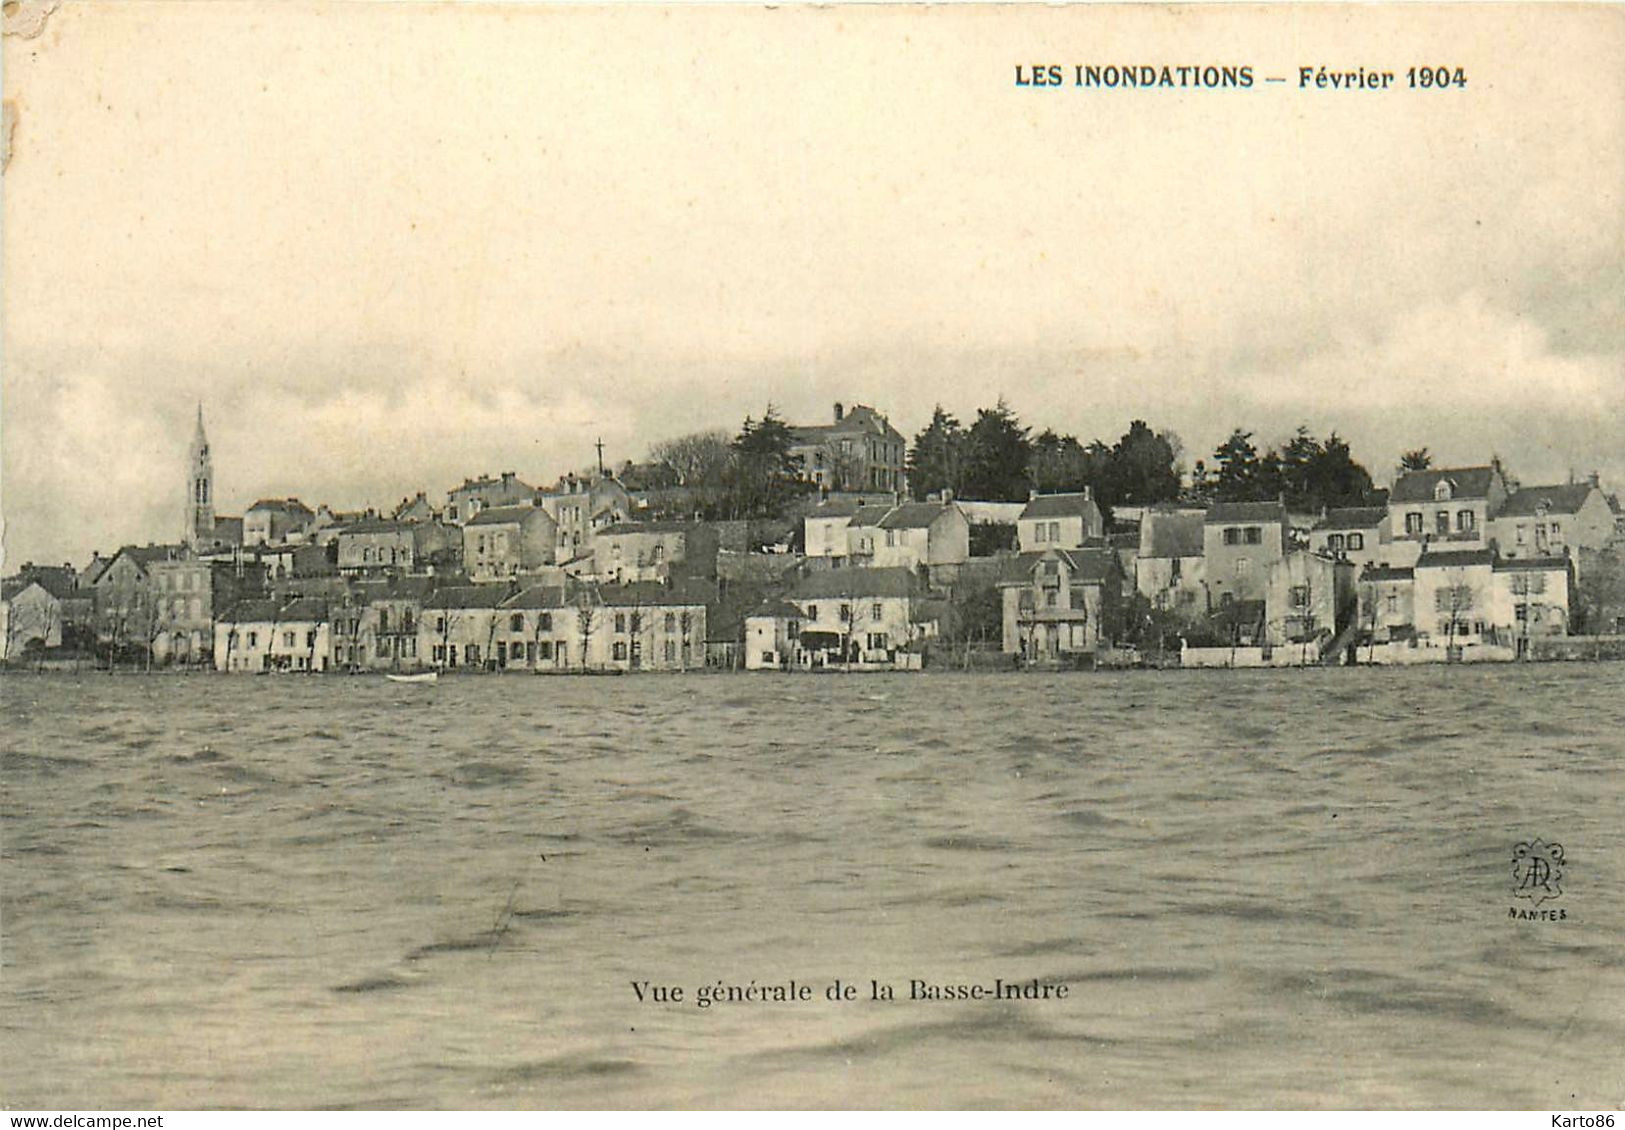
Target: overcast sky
column 389, row 247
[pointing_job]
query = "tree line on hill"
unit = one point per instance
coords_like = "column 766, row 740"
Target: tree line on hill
column 752, row 473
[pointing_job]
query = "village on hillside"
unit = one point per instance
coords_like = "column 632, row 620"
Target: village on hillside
column 842, row 546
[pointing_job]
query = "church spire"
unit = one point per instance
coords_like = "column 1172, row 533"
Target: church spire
column 199, row 529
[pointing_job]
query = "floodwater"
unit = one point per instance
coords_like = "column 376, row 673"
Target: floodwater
column 1271, row 888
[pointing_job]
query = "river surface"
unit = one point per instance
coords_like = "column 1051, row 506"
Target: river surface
column 1271, row 888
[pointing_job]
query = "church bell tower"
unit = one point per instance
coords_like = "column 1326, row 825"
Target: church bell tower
column 199, row 532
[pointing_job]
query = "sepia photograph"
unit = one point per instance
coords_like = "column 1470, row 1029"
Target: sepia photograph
column 896, row 556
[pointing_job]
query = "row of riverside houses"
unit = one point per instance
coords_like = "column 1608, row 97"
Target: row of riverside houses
column 1455, row 563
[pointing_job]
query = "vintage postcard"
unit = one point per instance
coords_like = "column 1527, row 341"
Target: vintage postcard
column 895, row 556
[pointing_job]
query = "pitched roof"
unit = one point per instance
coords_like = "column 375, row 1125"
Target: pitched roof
column 540, row 596
column 778, row 609
column 868, row 515
column 467, row 597
column 286, row 505
column 1353, row 518
column 305, row 608
column 1454, row 558
column 835, row 508
column 1387, row 573
column 14, row 585
column 375, row 526
column 1091, row 565
column 1074, row 505
column 1173, row 533
column 1223, row 513
column 855, row 583
column 1565, row 498
column 1465, row 482
column 142, row 555
column 1530, row 564
column 913, row 516
column 685, row 592
column 252, row 612
column 504, row 515
column 645, row 528
column 58, row 580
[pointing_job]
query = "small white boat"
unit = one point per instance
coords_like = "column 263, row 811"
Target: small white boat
column 422, row 677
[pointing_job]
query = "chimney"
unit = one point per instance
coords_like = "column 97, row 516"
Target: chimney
column 947, row 495
column 1088, row 492
column 1595, row 480
column 1032, row 493
column 839, row 411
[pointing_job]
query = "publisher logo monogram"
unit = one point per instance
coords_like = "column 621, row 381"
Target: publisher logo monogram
column 1537, row 871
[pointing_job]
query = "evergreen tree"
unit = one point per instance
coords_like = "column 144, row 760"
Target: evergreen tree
column 765, row 474
column 1418, row 460
column 1235, row 475
column 997, row 450
column 1143, row 462
column 937, row 457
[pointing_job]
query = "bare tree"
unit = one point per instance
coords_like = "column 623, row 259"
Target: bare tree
column 698, row 459
column 586, row 623
column 1453, row 600
column 845, row 467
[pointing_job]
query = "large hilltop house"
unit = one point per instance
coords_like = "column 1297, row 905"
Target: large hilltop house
column 1449, row 508
column 484, row 492
column 859, row 451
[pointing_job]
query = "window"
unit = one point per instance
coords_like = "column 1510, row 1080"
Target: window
column 767, row 658
column 1464, row 520
column 812, row 611
column 877, row 641
column 407, row 624
column 545, row 649
column 471, row 654
column 1055, row 531
column 1254, row 536
column 1356, row 542
column 383, row 619
column 846, row 612
column 1441, row 490
column 1523, row 532
column 253, row 639
column 310, row 639
column 516, row 622
column 659, row 553
column 671, row 651
column 1413, row 522
column 1038, row 531
column 1557, row 530
column 1521, row 612
column 1232, row 535
column 1300, row 596
column 876, row 611
column 891, row 538
column 1441, row 522
column 412, row 646
column 287, row 639
column 620, row 621
column 1334, row 542
column 440, row 623
column 620, row 649
column 439, row 653
column 671, row 621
